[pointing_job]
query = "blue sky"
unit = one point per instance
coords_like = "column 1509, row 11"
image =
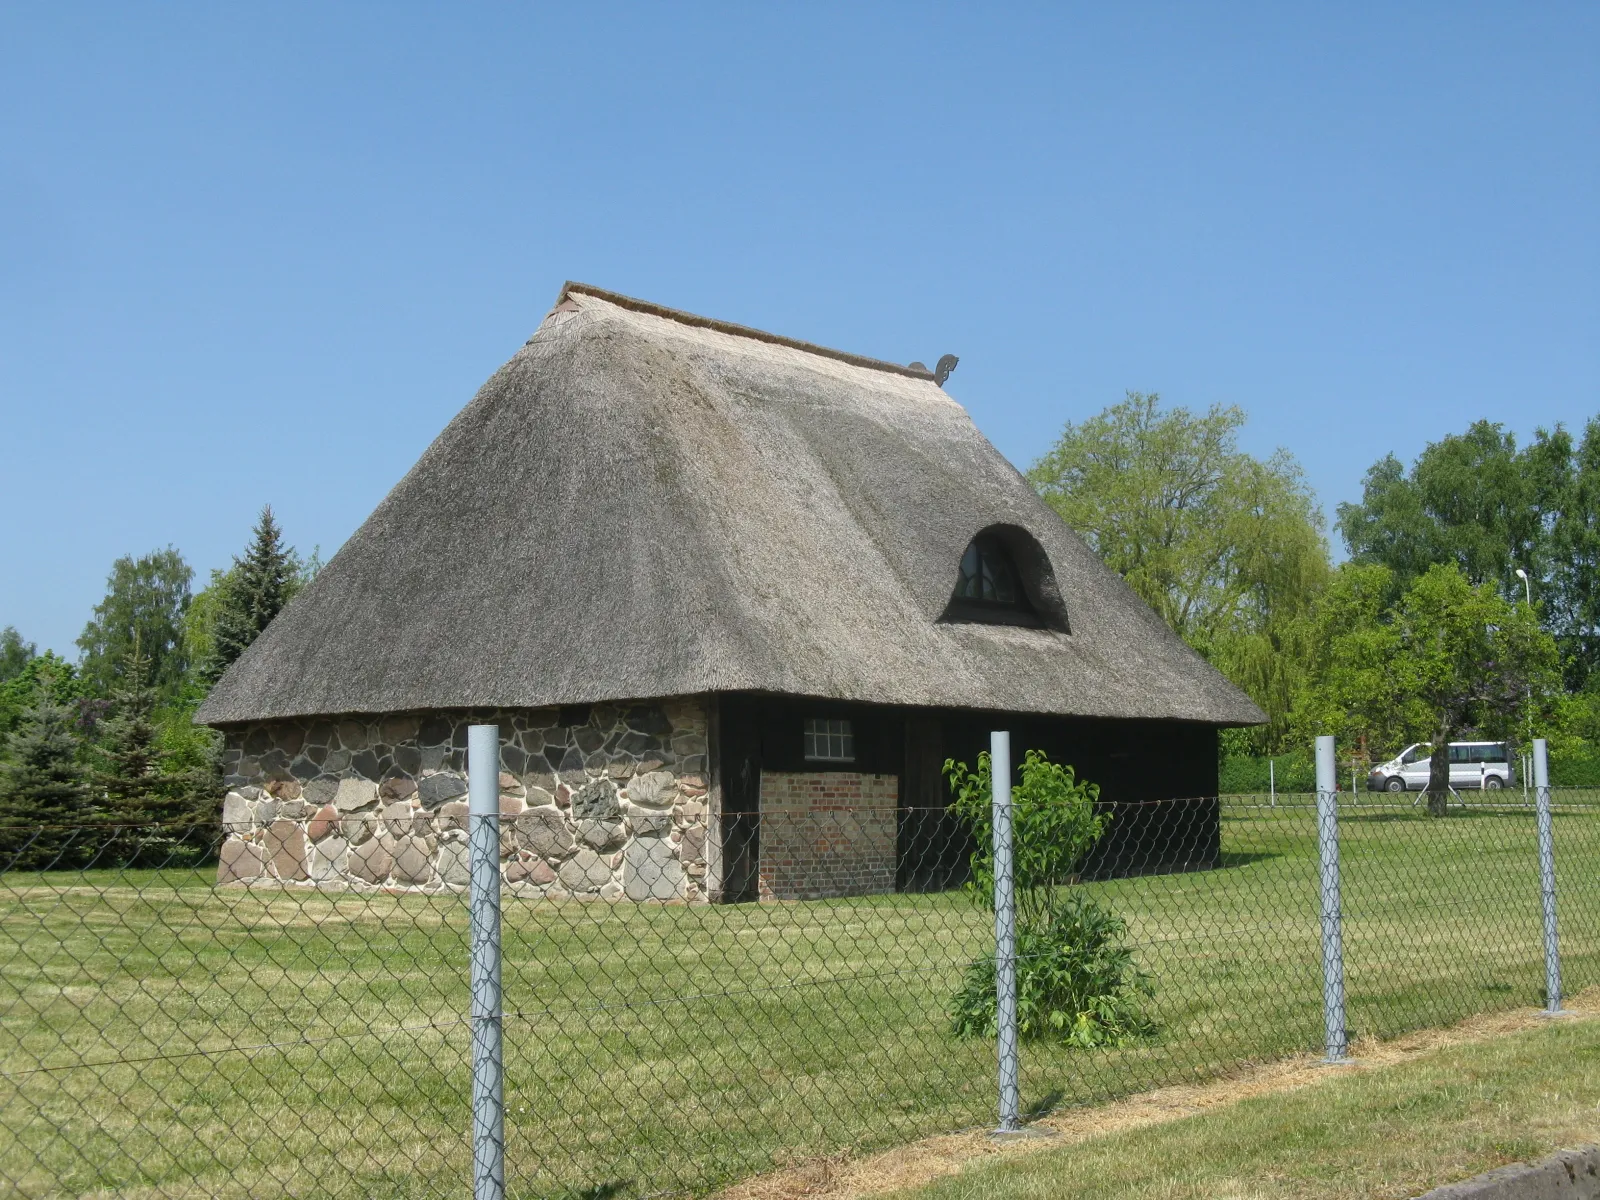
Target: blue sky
column 263, row 254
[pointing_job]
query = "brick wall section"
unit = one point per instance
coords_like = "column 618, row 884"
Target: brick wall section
column 826, row 834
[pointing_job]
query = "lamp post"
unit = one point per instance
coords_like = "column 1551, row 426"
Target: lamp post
column 1527, row 595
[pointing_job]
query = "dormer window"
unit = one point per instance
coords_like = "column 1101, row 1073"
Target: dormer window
column 1004, row 578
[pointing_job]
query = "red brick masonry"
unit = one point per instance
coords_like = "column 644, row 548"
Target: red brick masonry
column 827, row 834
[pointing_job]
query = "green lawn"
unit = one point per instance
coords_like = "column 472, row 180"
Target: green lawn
column 265, row 1043
column 1391, row 1132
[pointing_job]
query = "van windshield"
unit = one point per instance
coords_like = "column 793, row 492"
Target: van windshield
column 1415, row 754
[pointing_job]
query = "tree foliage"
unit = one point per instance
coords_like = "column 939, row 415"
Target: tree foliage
column 1227, row 547
column 1351, row 687
column 1478, row 502
column 131, row 777
column 113, row 736
column 44, row 674
column 1472, row 661
column 1572, row 564
column 145, row 602
column 15, row 654
column 1471, row 499
column 151, row 785
column 250, row 594
column 1444, row 659
column 44, row 788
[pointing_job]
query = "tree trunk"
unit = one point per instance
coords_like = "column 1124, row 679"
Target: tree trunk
column 1439, row 775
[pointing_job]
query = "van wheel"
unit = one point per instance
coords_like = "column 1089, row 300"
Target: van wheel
column 1492, row 783
column 1395, row 784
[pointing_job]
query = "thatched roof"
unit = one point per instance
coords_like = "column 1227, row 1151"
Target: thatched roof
column 642, row 504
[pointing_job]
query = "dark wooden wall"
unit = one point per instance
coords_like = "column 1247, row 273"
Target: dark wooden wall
column 1157, row 779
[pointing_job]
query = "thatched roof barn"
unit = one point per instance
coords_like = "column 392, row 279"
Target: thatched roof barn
column 644, row 506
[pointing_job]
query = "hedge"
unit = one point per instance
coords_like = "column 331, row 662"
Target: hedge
column 1296, row 772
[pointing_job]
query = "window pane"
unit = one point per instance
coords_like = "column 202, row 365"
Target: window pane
column 829, row 741
column 1005, row 587
column 987, row 575
column 1005, row 592
column 970, row 587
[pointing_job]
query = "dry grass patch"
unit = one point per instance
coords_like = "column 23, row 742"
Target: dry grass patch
column 915, row 1166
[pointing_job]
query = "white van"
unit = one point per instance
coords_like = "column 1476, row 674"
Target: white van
column 1472, row 765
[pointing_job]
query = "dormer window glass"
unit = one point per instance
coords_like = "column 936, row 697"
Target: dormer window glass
column 988, row 575
column 1003, row 577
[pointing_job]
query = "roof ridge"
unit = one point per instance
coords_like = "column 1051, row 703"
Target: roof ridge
column 759, row 335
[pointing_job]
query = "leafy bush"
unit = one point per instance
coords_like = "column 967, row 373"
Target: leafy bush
column 1076, row 983
column 1575, row 770
column 1076, row 979
column 1053, row 828
column 1251, row 775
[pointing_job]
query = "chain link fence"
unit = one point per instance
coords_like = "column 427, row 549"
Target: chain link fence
column 161, row 1035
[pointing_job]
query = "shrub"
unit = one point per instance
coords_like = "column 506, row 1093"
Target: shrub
column 1053, row 828
column 1076, row 983
column 1245, row 776
column 1076, row 979
column 1575, row 769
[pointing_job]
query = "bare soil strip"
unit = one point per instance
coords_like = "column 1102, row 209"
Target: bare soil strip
column 841, row 1177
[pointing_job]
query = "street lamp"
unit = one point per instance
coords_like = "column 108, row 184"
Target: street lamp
column 1527, row 593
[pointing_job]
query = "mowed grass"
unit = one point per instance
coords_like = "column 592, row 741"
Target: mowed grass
column 1387, row 1133
column 161, row 1037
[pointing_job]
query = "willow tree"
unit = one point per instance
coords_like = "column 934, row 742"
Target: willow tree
column 1229, row 548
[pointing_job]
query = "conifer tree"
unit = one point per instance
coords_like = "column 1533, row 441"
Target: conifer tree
column 254, row 592
column 44, row 790
column 132, row 775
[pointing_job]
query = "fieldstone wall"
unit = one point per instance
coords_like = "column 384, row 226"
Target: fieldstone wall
column 608, row 802
column 826, row 834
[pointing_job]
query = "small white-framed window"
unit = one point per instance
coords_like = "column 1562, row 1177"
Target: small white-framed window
column 829, row 741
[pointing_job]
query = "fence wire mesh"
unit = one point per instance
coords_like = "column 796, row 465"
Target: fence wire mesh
column 161, row 1035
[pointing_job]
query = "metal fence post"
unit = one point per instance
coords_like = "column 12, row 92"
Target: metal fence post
column 1333, row 1023
column 1547, row 876
column 488, row 1065
column 1005, row 935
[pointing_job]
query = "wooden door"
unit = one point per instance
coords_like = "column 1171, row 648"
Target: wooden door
column 933, row 848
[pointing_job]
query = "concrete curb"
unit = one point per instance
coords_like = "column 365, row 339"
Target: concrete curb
column 1567, row 1175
